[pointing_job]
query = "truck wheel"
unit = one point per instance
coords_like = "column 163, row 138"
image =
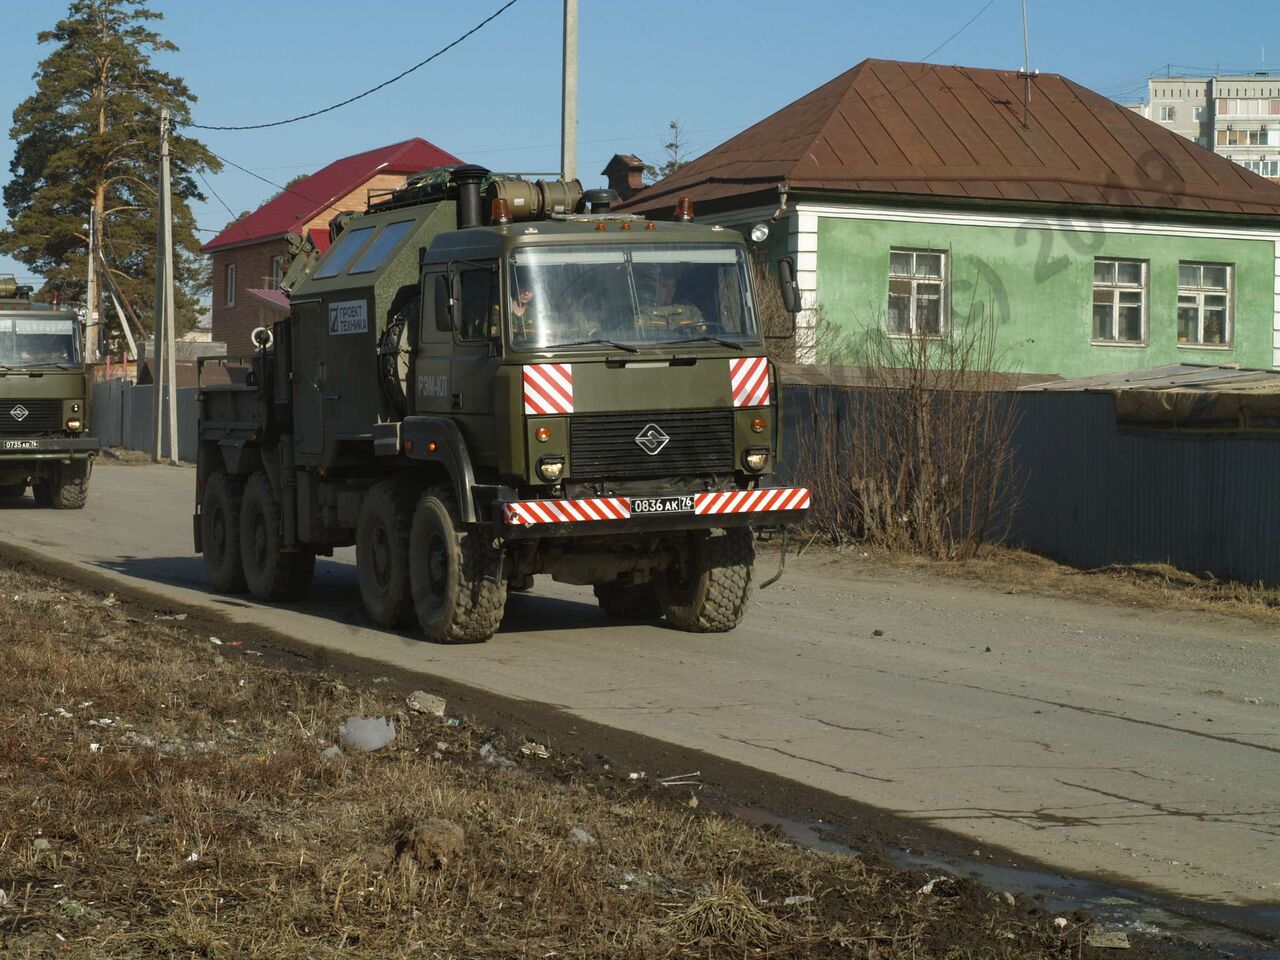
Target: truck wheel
column 709, row 594
column 12, row 491
column 220, row 532
column 67, row 488
column 382, row 551
column 629, row 601
column 456, row 575
column 270, row 573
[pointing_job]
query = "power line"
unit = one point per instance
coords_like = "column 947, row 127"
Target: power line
column 234, row 219
column 967, row 25
column 386, row 83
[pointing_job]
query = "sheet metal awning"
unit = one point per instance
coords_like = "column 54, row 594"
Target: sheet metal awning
column 1185, row 396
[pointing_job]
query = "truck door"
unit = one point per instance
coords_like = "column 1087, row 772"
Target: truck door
column 308, row 376
column 476, row 357
column 432, row 378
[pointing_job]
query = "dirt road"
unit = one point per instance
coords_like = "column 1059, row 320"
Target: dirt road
column 1141, row 746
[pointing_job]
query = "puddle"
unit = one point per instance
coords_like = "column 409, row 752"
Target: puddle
column 1246, row 932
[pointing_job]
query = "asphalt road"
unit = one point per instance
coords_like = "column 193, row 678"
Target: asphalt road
column 1138, row 745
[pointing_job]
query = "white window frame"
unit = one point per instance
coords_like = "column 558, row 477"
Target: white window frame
column 915, row 281
column 1200, row 292
column 1116, row 289
column 1168, row 114
column 277, row 272
column 229, row 295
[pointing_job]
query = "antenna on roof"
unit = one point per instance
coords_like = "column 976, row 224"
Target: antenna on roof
column 1025, row 73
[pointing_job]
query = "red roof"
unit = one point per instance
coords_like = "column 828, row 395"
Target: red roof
column 277, row 300
column 290, row 211
column 889, row 127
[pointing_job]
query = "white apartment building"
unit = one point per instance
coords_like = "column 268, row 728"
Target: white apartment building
column 1237, row 117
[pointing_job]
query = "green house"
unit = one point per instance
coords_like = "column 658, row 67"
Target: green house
column 920, row 200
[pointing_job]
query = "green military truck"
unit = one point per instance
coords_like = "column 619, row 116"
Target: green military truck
column 44, row 402
column 484, row 379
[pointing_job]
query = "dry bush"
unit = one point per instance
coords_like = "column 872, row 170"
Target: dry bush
column 921, row 457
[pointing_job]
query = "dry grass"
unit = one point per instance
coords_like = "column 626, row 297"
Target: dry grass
column 1153, row 586
column 165, row 796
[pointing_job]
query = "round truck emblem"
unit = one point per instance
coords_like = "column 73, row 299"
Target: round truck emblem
column 652, row 439
column 19, row 413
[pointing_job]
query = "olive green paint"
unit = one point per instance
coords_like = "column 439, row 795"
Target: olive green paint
column 1038, row 283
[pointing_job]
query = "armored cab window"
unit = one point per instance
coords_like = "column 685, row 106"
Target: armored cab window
column 479, row 304
column 348, row 246
column 31, row 341
column 382, row 245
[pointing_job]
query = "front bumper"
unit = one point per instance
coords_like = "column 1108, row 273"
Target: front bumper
column 48, row 448
column 766, row 506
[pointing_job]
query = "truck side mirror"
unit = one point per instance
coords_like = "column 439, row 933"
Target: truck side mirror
column 440, row 295
column 790, row 288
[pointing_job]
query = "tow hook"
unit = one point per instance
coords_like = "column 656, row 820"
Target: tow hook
column 782, row 562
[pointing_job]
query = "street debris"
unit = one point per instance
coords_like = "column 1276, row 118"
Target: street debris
column 531, row 749
column 932, row 884
column 581, row 837
column 428, row 703
column 490, row 755
column 1060, row 923
column 331, row 752
column 682, row 780
column 637, row 775
column 797, row 899
column 367, row 733
column 435, row 843
column 171, row 616
column 1107, row 939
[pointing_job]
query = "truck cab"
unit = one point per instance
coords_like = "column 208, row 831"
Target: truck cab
column 44, row 402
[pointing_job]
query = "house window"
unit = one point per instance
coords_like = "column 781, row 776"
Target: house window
column 1204, row 304
column 1200, row 113
column 1119, row 301
column 916, row 282
column 277, row 273
column 231, row 285
column 1168, row 114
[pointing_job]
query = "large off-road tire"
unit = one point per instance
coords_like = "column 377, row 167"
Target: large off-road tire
column 382, row 551
column 456, row 575
column 270, row 573
column 220, row 532
column 708, row 591
column 12, row 491
column 67, row 488
column 629, row 601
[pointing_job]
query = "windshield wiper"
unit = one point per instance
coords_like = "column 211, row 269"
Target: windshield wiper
column 720, row 340
column 582, row 343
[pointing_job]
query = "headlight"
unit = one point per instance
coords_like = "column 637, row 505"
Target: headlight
column 760, row 233
column 755, row 460
column 74, row 425
column 550, row 468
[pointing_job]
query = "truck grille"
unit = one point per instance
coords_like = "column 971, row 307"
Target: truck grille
column 40, row 416
column 605, row 446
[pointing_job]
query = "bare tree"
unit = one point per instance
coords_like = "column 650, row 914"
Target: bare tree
column 676, row 151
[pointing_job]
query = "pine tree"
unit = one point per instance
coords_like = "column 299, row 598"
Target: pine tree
column 87, row 139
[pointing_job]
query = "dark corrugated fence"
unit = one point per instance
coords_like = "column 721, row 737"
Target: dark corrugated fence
column 1094, row 494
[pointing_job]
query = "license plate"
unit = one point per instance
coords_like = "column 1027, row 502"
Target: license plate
column 649, row 505
column 21, row 445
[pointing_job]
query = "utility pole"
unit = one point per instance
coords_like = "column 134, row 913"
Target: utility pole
column 91, row 295
column 164, row 367
column 569, row 94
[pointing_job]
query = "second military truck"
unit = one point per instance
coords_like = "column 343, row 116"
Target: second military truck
column 44, row 402
column 484, row 379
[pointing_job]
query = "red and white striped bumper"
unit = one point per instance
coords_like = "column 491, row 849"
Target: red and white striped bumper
column 531, row 513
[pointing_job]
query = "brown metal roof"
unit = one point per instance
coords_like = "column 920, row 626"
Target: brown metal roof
column 915, row 128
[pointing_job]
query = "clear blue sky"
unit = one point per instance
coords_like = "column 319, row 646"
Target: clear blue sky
column 716, row 65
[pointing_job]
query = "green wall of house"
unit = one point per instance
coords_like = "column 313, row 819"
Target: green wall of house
column 1038, row 284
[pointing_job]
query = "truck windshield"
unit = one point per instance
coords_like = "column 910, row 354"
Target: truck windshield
column 640, row 295
column 27, row 341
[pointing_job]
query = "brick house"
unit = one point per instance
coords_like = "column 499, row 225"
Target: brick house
column 250, row 256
